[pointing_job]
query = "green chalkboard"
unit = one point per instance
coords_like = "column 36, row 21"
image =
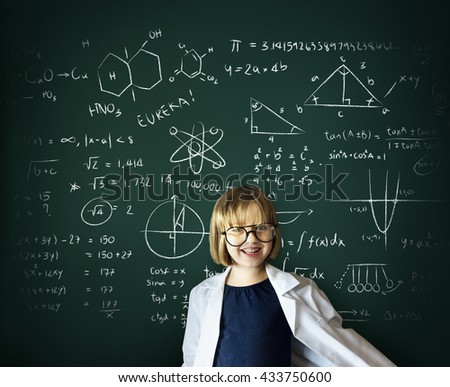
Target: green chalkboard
column 123, row 122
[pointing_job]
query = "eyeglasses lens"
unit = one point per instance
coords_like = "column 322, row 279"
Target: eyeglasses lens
column 237, row 236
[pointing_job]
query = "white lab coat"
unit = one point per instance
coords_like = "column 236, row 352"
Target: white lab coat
column 319, row 338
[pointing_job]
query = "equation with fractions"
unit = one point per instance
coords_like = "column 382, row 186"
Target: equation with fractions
column 167, row 290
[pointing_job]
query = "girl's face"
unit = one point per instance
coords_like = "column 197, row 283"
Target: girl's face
column 253, row 253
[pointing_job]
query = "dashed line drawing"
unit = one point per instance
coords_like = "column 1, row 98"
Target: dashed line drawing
column 198, row 146
column 368, row 278
column 264, row 120
column 343, row 88
column 174, row 230
column 142, row 70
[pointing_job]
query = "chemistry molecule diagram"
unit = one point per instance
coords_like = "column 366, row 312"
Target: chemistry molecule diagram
column 143, row 70
column 191, row 65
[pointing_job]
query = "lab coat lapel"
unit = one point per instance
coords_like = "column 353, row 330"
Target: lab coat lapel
column 211, row 323
column 283, row 283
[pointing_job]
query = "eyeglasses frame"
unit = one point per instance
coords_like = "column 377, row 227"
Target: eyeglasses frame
column 275, row 226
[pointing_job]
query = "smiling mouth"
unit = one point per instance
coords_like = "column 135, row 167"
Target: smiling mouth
column 251, row 251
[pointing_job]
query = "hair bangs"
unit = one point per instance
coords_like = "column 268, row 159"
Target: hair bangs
column 236, row 213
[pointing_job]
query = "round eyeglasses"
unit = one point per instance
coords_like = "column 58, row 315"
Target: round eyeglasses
column 237, row 235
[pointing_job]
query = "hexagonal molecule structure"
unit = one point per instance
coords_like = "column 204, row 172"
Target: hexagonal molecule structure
column 114, row 75
column 145, row 69
column 191, row 64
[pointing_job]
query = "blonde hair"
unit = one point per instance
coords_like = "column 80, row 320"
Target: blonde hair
column 230, row 210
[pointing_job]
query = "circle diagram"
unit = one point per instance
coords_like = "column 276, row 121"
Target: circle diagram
column 173, row 230
column 96, row 212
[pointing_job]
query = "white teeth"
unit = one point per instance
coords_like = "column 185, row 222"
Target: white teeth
column 250, row 251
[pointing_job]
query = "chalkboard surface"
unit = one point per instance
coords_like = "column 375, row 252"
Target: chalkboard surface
column 123, row 122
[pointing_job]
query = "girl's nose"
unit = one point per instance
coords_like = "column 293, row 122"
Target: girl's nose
column 252, row 236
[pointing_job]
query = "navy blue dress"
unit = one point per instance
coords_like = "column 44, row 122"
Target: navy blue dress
column 253, row 329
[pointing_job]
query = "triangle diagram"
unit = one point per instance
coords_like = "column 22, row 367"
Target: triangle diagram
column 343, row 89
column 265, row 121
column 178, row 224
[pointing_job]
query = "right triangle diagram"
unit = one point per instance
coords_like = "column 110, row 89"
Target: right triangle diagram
column 343, row 89
column 264, row 120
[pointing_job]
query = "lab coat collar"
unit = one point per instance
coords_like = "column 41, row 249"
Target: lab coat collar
column 281, row 281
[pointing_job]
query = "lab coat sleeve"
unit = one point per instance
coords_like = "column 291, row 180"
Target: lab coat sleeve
column 356, row 350
column 342, row 346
